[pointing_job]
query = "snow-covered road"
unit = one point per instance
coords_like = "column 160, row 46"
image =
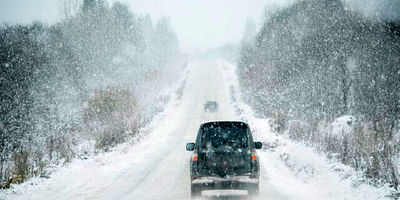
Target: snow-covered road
column 157, row 166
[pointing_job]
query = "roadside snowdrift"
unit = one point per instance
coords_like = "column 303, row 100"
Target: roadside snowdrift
column 83, row 177
column 291, row 170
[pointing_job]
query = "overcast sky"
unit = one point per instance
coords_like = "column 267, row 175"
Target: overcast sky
column 199, row 24
column 25, row 11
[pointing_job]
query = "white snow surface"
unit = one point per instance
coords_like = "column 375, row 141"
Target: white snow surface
column 157, row 167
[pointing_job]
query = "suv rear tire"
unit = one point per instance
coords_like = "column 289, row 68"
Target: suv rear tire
column 253, row 190
column 195, row 191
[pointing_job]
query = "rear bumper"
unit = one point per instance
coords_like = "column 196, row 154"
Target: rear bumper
column 214, row 183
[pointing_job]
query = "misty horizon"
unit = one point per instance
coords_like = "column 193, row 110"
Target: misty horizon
column 199, row 25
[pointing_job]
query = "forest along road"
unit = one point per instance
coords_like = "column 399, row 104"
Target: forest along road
column 158, row 166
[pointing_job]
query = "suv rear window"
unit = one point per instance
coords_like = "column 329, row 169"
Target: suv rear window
column 216, row 135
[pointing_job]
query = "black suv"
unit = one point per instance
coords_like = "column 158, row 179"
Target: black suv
column 224, row 157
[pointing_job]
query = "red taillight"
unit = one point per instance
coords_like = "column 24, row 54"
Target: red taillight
column 253, row 157
column 195, row 159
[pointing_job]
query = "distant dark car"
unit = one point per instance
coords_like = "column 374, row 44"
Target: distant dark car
column 211, row 106
column 224, row 157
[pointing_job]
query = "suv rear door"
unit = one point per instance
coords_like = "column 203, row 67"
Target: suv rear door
column 224, row 149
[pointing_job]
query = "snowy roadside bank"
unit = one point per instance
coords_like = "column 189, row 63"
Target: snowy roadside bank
column 291, row 170
column 106, row 165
